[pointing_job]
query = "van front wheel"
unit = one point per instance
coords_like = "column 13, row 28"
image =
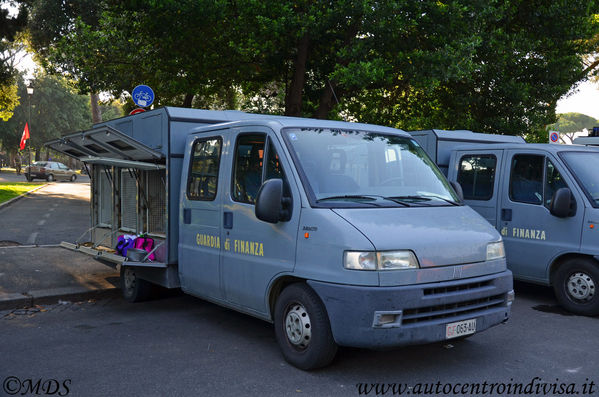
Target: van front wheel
column 302, row 328
column 576, row 286
column 134, row 289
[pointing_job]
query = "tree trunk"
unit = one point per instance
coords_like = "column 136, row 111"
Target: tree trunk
column 331, row 92
column 187, row 102
column 327, row 101
column 96, row 111
column 231, row 98
column 293, row 97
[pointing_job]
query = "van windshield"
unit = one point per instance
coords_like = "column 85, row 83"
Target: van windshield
column 584, row 166
column 360, row 168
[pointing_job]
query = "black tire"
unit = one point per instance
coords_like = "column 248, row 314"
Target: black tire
column 73, row 178
column 28, row 177
column 50, row 178
column 134, row 289
column 576, row 286
column 302, row 328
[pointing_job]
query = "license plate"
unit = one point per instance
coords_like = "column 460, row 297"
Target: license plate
column 460, row 328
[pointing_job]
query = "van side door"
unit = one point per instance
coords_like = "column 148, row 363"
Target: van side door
column 200, row 219
column 533, row 237
column 479, row 174
column 256, row 251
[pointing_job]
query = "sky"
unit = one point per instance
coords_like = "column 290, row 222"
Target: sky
column 584, row 99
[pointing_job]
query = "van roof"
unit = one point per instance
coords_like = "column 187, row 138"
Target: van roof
column 547, row 147
column 239, row 117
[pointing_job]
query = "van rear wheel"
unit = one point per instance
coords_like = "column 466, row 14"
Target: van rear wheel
column 134, row 289
column 576, row 286
column 302, row 328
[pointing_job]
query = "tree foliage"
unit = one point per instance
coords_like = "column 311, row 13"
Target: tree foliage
column 573, row 122
column 488, row 66
column 55, row 110
column 10, row 26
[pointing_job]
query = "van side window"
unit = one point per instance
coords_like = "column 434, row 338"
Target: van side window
column 553, row 182
column 477, row 176
column 526, row 180
column 247, row 172
column 203, row 174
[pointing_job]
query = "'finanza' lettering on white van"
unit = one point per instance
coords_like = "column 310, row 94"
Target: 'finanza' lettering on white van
column 533, row 234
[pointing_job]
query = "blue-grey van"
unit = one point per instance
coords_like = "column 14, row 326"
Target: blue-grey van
column 542, row 198
column 341, row 234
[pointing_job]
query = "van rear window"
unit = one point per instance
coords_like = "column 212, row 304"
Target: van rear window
column 203, row 172
column 476, row 175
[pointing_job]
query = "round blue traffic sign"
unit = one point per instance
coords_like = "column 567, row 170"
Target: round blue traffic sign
column 554, row 137
column 143, row 96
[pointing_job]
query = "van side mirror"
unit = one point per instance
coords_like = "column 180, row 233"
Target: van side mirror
column 562, row 204
column 458, row 189
column 269, row 201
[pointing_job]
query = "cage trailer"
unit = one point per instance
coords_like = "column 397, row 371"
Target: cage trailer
column 134, row 164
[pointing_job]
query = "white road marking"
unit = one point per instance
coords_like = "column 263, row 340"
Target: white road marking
column 41, row 223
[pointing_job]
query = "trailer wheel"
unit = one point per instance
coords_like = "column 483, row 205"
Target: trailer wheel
column 134, row 289
column 302, row 328
column 576, row 286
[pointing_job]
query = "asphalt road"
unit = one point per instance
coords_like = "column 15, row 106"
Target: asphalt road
column 183, row 346
column 57, row 212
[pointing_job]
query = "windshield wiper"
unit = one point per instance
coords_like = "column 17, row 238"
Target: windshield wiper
column 348, row 197
column 423, row 197
column 442, row 198
column 370, row 198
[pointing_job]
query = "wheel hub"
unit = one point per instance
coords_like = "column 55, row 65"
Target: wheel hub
column 298, row 326
column 129, row 279
column 581, row 286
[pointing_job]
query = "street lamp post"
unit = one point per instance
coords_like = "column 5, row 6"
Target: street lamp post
column 29, row 95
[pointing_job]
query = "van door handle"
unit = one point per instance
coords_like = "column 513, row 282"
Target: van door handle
column 228, row 220
column 506, row 214
column 187, row 216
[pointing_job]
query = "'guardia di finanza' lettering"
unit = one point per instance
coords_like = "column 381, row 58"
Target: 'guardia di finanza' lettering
column 239, row 246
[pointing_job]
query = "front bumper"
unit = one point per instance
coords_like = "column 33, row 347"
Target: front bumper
column 421, row 311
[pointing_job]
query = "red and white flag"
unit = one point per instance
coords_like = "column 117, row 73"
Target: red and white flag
column 24, row 137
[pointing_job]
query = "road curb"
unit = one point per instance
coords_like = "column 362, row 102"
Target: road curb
column 54, row 295
column 12, row 200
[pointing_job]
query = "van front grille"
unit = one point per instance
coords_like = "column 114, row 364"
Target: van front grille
column 457, row 288
column 421, row 314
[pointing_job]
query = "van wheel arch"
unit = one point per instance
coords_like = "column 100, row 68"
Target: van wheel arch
column 557, row 262
column 575, row 281
column 276, row 288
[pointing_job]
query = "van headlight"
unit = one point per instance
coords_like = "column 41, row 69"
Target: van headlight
column 495, row 250
column 380, row 260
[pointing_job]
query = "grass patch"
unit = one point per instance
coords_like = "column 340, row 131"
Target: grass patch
column 9, row 190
